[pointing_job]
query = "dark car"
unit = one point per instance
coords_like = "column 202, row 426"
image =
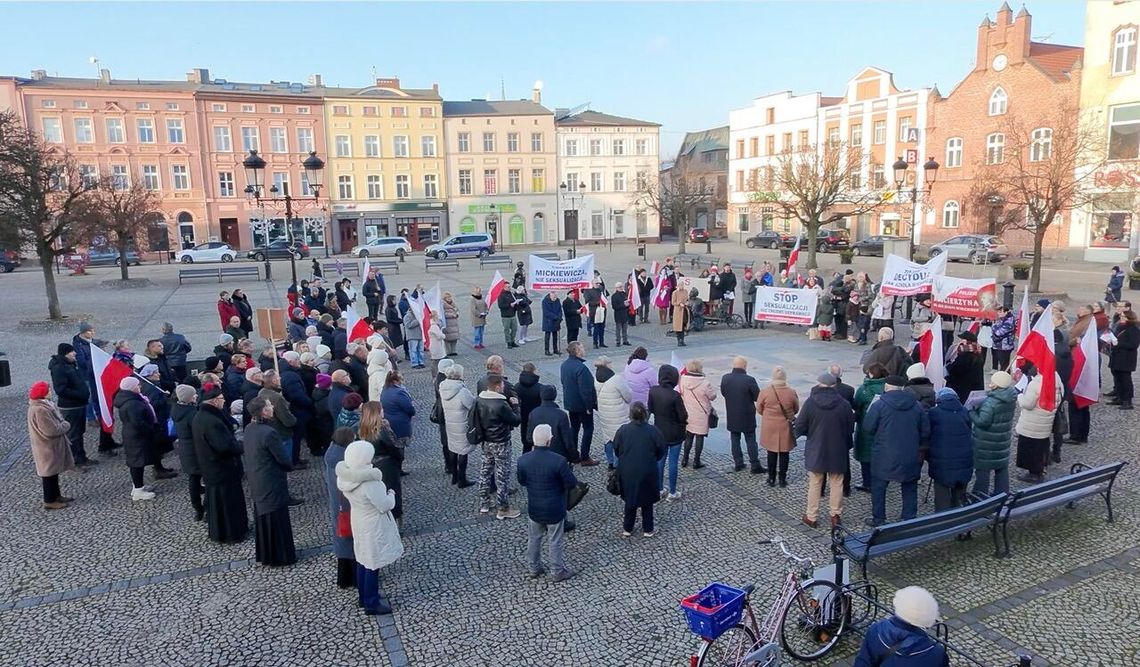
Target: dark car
column 829, row 240
column 698, row 235
column 10, row 256
column 770, row 239
column 6, row 265
column 873, row 245
column 104, row 256
column 280, row 249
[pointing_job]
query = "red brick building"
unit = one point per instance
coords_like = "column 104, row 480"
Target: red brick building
column 1012, row 75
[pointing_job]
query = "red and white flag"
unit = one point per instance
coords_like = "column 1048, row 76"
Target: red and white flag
column 1085, row 379
column 1038, row 348
column 1023, row 317
column 367, row 267
column 930, row 353
column 634, row 293
column 358, row 328
column 793, row 257
column 498, row 284
column 109, row 372
column 679, row 364
column 427, row 307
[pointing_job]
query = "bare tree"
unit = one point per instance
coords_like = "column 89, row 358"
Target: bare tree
column 42, row 196
column 122, row 210
column 675, row 194
column 817, row 185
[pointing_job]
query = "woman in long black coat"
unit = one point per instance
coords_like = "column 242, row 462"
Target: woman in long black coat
column 572, row 310
column 395, row 323
column 639, row 446
column 219, row 458
column 163, row 442
column 183, row 415
column 266, row 465
column 1122, row 359
column 137, row 421
column 967, row 372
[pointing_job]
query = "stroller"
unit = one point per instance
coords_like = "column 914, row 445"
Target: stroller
column 720, row 314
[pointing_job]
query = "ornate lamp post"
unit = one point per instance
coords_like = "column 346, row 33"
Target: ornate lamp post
column 575, row 199
column 930, row 170
column 254, row 172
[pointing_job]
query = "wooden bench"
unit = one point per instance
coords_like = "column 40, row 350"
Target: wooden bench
column 329, row 268
column 551, row 256
column 230, row 271
column 495, row 260
column 384, row 265
column 740, row 264
column 432, row 263
column 893, row 537
column 1082, row 481
column 190, row 274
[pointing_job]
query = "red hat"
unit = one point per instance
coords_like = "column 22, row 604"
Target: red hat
column 39, row 390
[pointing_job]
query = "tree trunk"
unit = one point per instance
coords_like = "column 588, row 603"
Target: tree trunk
column 123, row 263
column 1035, row 271
column 812, row 234
column 47, row 255
column 681, row 237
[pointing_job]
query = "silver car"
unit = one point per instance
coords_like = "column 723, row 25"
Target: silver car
column 973, row 248
column 384, row 246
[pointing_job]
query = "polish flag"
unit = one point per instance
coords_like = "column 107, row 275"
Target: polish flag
column 660, row 295
column 679, row 364
column 367, row 267
column 498, row 284
column 1038, row 348
column 426, row 308
column 1085, row 379
column 930, row 353
column 634, row 293
column 794, row 257
column 109, row 372
column 358, row 328
column 1023, row 317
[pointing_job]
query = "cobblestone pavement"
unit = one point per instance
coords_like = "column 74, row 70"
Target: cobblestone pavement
column 112, row 582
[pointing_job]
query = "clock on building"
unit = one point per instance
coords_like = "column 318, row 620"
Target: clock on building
column 1000, row 62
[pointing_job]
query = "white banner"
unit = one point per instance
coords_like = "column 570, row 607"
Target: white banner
column 686, row 284
column 906, row 278
column 566, row 274
column 786, row 305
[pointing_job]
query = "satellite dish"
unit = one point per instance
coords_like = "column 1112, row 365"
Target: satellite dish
column 93, row 60
column 538, row 84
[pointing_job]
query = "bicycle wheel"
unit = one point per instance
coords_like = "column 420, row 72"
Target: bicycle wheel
column 728, row 649
column 813, row 620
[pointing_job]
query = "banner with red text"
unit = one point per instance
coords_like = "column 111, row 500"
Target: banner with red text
column 965, row 297
column 905, row 278
column 566, row 274
column 786, row 305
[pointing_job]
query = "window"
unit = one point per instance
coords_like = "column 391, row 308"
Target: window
column 787, row 143
column 374, row 189
column 535, row 142
column 372, row 146
column 172, row 106
column 465, row 182
column 995, row 148
column 304, row 110
column 281, row 182
column 146, row 131
column 276, row 108
column 115, row 133
column 226, row 184
column 370, row 110
column 488, row 142
column 490, row 182
column 833, row 136
column 120, row 180
column 999, row 102
column 619, row 181
column 277, row 140
column 954, row 152
column 306, row 189
column 142, row 106
column 641, row 179
column 1124, row 132
column 878, row 177
column 427, row 112
column 222, row 139
column 304, row 139
column 1041, row 147
column 740, row 181
column 739, row 149
column 597, row 228
column 1124, row 51
column 754, row 147
column 89, row 175
column 803, row 138
column 770, row 144
column 619, row 223
column 538, row 180
column 464, row 142
column 79, row 104
column 572, row 147
column 248, row 108
column 572, row 182
column 856, row 135
column 950, row 213
column 770, row 115
column 399, row 112
column 48, row 104
column 84, row 132
column 150, row 177
column 514, row 181
column 53, row 131
column 250, row 139
column 181, row 174
column 343, row 146
column 217, row 107
column 344, row 187
column 174, row 132
column 427, row 146
column 512, row 142
column 595, row 147
column 431, row 186
column 403, row 186
column 642, row 146
column 880, row 132
column 341, row 110
column 856, row 180
column 642, row 222
column 400, row 146
column 596, row 181
column 904, row 129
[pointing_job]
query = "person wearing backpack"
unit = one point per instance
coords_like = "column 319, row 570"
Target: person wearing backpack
column 489, row 425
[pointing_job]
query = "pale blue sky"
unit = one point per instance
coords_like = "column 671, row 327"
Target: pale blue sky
column 682, row 64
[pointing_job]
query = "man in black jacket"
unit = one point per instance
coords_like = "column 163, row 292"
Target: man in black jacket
column 827, row 420
column 507, row 304
column 176, row 347
column 340, row 338
column 496, row 415
column 572, row 311
column 373, row 293
column 551, row 414
column 528, row 390
column 728, row 285
column 644, row 289
column 547, row 479
column 620, row 305
column 300, row 402
column 155, row 352
column 73, row 393
column 740, row 392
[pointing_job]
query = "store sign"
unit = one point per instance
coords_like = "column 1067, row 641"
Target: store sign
column 486, row 208
column 1116, row 178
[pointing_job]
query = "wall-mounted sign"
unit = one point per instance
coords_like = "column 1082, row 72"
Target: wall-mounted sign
column 486, row 208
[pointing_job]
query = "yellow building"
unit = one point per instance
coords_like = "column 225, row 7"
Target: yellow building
column 385, row 174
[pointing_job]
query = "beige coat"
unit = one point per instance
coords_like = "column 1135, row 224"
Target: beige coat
column 775, row 436
column 698, row 396
column 680, row 302
column 47, row 431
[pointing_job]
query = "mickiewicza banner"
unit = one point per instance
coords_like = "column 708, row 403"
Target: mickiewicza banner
column 560, row 275
column 905, row 278
column 964, row 297
column 786, row 305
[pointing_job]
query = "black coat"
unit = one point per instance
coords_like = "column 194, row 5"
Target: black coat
column 160, row 403
column 923, row 390
column 496, row 416
column 266, row 463
column 138, row 427
column 326, row 333
column 358, row 371
column 183, row 416
column 245, row 312
column 847, row 392
column 335, row 401
column 620, row 304
column 572, row 310
column 232, row 382
column 249, row 391
column 176, row 347
column 339, row 343
column 68, row 383
column 827, row 420
column 546, row 477
column 728, row 282
column 967, row 373
column 309, row 378
column 217, row 449
column 523, row 311
column 1122, row 359
column 891, row 356
column 293, row 389
column 395, row 325
column 323, row 420
column 578, row 391
column 556, row 418
column 224, row 354
column 740, row 392
column 667, row 407
column 639, row 446
column 166, row 376
column 506, row 304
column 529, row 399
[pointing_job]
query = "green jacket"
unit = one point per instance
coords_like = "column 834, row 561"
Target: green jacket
column 993, row 426
column 863, row 397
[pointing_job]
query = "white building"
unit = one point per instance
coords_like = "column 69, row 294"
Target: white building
column 601, row 158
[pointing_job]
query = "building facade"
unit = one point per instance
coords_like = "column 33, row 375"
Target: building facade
column 385, row 172
column 601, row 159
column 1110, row 103
column 502, row 170
column 704, row 154
column 1014, row 78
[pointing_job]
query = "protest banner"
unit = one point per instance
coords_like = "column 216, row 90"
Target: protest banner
column 964, row 297
column 786, row 305
column 702, row 286
column 545, row 274
column 905, row 278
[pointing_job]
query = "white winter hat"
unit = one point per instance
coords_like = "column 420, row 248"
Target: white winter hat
column 915, row 371
column 359, row 453
column 324, row 352
column 916, row 606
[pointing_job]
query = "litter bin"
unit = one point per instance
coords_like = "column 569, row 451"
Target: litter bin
column 641, row 250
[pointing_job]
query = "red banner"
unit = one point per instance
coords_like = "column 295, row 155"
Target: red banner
column 964, row 297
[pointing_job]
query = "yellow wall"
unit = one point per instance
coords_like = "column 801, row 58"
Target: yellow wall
column 1098, row 87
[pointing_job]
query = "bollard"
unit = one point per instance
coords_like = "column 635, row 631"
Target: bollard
column 708, row 246
column 1007, row 294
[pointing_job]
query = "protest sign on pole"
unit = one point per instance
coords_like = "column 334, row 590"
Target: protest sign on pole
column 545, row 274
column 905, row 278
column 786, row 305
column 964, row 297
column 685, row 283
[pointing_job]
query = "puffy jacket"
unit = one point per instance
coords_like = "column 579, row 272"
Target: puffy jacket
column 993, row 426
column 614, row 398
column 437, row 348
column 641, row 377
column 450, row 321
column 864, row 395
column 546, row 477
column 578, row 393
column 900, row 428
column 555, row 417
column 398, row 409
column 923, row 390
column 1034, row 421
column 176, row 347
column 457, row 401
column 293, row 389
column 496, row 416
column 1003, row 332
column 951, row 454
column 523, row 311
column 478, row 311
column 698, row 396
column 667, row 407
column 911, row 645
column 551, row 314
column 378, row 366
column 506, row 304
column 69, row 385
column 138, row 428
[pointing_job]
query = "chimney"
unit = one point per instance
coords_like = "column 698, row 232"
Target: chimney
column 315, row 80
column 105, row 76
column 435, row 88
column 536, row 93
column 198, row 75
column 39, row 74
column 388, row 82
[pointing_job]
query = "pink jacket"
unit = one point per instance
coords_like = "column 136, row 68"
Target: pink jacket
column 698, row 395
column 640, row 375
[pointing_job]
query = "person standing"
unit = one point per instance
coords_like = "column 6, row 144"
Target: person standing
column 572, row 310
column 176, row 347
column 644, row 290
column 992, row 423
column 395, row 323
column 598, row 313
column 551, row 414
column 245, row 312
column 524, row 314
column 640, row 374
column 389, row 458
column 1004, row 334
column 551, row 323
column 639, row 447
column 182, row 413
column 547, row 478
column 951, row 455
column 620, row 304
column 495, row 415
column 918, row 384
column 893, row 358
column 48, row 440
column 341, row 544
column 82, row 342
column 398, row 409
column 457, row 401
column 681, row 315
column 698, row 396
column 299, row 395
column 73, row 395
column 614, row 399
column 507, row 308
column 777, row 406
column 478, row 317
column 138, row 427
column 740, row 393
column 437, row 345
column 1035, row 428
column 373, row 294
column 266, row 465
column 450, row 324
column 414, row 337
column 1115, row 284
column 283, row 418
column 967, row 372
column 827, row 421
column 226, row 309
column 901, row 432
column 748, row 296
column 1122, row 359
column 219, row 458
column 379, row 365
column 527, row 390
column 580, row 398
column 375, row 535
column 867, row 393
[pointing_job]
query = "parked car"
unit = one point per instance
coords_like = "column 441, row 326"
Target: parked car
column 213, row 251
column 698, row 235
column 280, row 249
column 104, row 256
column 385, row 246
column 828, row 240
column 11, row 256
column 873, row 245
column 770, row 239
column 475, row 244
column 6, row 265
column 973, row 248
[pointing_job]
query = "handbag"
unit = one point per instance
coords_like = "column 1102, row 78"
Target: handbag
column 790, row 418
column 576, row 494
column 343, row 519
column 436, row 416
column 613, row 483
column 714, row 418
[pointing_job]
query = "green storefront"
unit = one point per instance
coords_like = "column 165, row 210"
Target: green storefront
column 491, row 216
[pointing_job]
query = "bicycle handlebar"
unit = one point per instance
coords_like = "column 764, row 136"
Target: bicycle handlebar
column 776, row 540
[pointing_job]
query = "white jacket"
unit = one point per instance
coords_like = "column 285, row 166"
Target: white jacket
column 378, row 366
column 438, row 350
column 1034, row 422
column 614, row 397
column 375, row 536
column 457, row 402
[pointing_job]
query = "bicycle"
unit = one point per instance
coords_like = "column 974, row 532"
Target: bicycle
column 808, row 615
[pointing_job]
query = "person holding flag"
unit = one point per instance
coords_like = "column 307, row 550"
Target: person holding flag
column 621, row 308
column 1039, row 400
column 1084, row 380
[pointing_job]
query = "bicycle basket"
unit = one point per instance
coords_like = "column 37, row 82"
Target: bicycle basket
column 714, row 610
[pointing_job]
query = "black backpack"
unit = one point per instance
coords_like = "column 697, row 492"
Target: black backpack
column 474, row 426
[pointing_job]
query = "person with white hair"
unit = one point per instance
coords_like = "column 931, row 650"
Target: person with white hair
column 375, row 535
column 437, row 344
column 885, row 352
column 379, row 364
column 902, row 638
column 138, row 433
column 547, row 478
column 524, row 314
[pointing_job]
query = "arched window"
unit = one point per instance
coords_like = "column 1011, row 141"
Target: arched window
column 995, row 148
column 953, row 152
column 950, row 214
column 1041, row 147
column 999, row 102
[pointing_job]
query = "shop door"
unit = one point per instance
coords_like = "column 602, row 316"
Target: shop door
column 425, row 235
column 347, row 234
column 230, row 234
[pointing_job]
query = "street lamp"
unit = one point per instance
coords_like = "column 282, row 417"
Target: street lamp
column 314, row 174
column 572, row 194
column 930, row 172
